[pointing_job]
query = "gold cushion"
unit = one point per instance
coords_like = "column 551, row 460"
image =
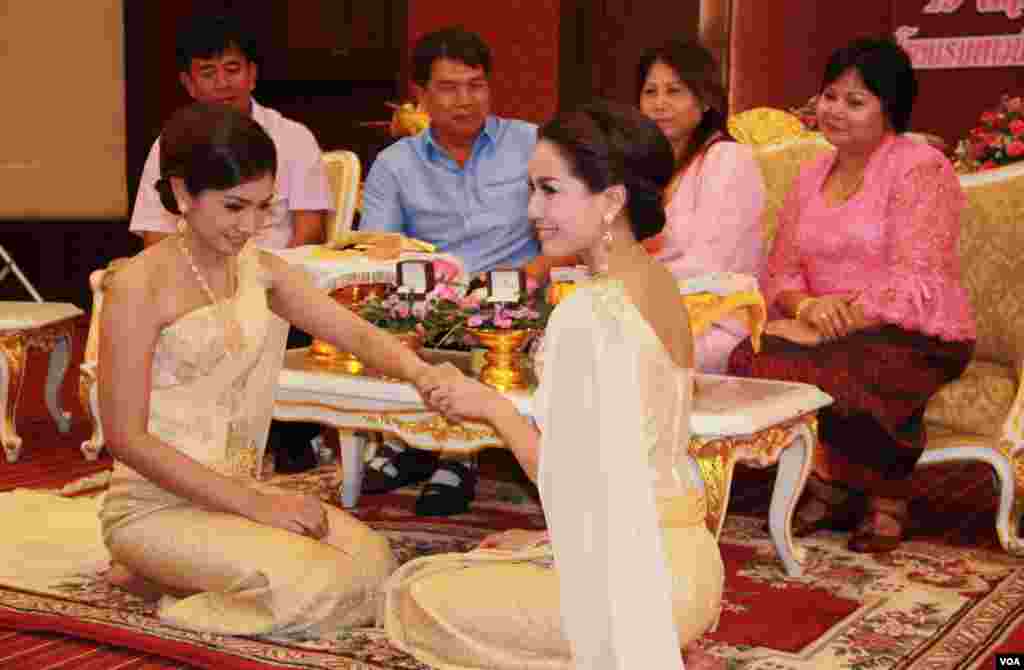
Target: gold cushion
column 780, row 164
column 764, row 125
column 978, row 402
column 992, row 262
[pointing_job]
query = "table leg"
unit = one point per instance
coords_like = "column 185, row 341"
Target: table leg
column 353, row 446
column 58, row 367
column 794, row 467
column 12, row 374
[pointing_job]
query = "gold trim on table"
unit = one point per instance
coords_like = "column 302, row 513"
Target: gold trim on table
column 717, row 457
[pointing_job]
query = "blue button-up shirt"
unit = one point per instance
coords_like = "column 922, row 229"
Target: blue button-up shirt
column 476, row 212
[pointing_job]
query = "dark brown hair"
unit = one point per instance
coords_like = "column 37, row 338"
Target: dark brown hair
column 695, row 67
column 606, row 144
column 212, row 146
column 886, row 70
column 454, row 43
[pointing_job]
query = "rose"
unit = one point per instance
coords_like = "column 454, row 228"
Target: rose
column 989, row 118
column 1015, row 149
column 401, row 311
column 475, row 321
column 1017, row 127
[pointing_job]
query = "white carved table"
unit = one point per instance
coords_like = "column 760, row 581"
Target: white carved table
column 26, row 325
column 754, row 421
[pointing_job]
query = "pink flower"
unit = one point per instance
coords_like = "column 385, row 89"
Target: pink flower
column 445, row 271
column 1015, row 149
column 502, row 322
column 475, row 321
column 445, row 292
column 531, row 285
column 470, row 302
column 419, row 310
column 1017, row 127
column 401, row 311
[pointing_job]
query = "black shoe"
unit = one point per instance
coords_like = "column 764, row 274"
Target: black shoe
column 291, row 444
column 390, row 469
column 443, row 499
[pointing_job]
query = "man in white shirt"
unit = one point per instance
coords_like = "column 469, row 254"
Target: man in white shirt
column 218, row 63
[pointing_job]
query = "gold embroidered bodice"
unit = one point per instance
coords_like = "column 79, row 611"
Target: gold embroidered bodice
column 208, row 404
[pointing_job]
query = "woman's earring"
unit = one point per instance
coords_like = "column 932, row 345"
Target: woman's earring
column 182, row 226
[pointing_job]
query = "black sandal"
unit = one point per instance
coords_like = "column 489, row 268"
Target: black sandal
column 390, row 469
column 438, row 499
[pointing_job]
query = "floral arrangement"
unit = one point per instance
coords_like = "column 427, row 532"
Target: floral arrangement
column 531, row 313
column 997, row 140
column 444, row 315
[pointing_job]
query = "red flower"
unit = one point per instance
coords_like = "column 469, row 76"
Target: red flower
column 1017, row 127
column 989, row 118
column 1015, row 149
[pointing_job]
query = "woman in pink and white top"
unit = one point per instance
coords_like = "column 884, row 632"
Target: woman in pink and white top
column 713, row 204
column 865, row 263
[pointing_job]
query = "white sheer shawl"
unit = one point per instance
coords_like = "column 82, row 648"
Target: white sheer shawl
column 598, row 474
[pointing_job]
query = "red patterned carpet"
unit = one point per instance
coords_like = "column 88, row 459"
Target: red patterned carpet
column 948, row 599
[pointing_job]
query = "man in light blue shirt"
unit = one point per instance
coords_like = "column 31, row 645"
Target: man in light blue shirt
column 462, row 186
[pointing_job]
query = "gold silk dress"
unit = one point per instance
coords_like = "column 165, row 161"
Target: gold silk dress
column 632, row 572
column 215, row 407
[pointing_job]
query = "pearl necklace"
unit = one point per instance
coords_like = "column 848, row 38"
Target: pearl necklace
column 232, row 330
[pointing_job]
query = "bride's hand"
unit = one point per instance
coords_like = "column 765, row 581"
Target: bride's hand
column 465, row 398
column 432, row 378
column 794, row 331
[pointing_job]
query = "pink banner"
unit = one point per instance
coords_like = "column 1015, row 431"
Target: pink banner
column 962, row 52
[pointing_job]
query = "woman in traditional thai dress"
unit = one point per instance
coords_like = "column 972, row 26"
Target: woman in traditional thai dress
column 627, row 571
column 865, row 263
column 714, row 202
column 191, row 342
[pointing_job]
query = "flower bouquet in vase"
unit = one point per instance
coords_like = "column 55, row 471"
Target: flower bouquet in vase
column 997, row 140
column 504, row 329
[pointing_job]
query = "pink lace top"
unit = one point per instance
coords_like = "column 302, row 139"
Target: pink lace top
column 894, row 243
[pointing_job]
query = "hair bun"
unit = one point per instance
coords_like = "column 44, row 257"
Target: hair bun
column 167, row 199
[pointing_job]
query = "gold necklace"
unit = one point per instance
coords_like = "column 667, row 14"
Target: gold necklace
column 232, row 330
column 844, row 192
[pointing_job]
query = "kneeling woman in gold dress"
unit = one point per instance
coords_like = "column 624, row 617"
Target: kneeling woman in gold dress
column 191, row 342
column 630, row 573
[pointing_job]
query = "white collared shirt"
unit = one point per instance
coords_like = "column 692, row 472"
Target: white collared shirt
column 301, row 181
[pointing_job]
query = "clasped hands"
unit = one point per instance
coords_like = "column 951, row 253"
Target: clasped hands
column 446, row 390
column 824, row 319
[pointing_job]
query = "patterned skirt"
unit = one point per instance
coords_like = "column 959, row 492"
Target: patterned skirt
column 881, row 379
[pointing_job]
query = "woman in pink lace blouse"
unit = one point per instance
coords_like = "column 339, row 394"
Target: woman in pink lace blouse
column 713, row 204
column 865, row 263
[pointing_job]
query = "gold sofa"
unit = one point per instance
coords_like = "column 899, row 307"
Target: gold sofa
column 979, row 417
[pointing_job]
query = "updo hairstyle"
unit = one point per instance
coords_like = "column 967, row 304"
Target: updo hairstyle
column 212, row 147
column 606, row 144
